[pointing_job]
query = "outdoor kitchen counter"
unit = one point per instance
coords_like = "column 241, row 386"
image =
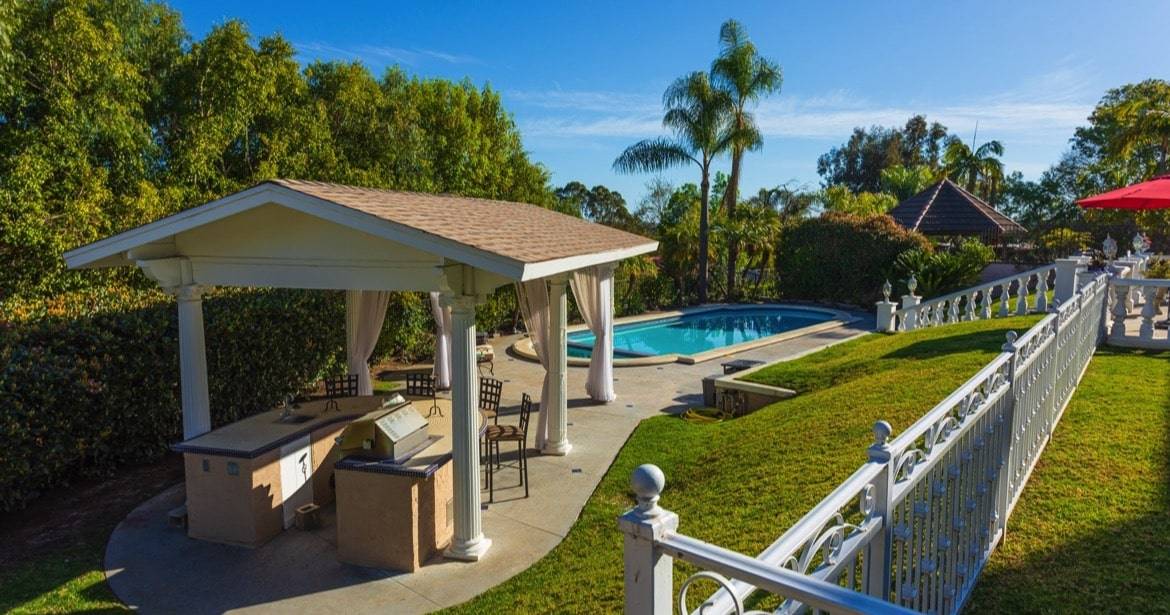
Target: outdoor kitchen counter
column 396, row 516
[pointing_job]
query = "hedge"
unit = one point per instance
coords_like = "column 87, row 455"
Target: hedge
column 841, row 258
column 90, row 379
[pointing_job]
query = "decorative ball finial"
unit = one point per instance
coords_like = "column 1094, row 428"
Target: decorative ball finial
column 648, row 481
column 887, row 289
column 912, row 283
column 1139, row 243
column 1010, row 344
column 881, row 433
column 1109, row 247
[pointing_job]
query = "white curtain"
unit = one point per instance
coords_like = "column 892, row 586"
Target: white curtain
column 593, row 288
column 365, row 310
column 532, row 297
column 442, row 317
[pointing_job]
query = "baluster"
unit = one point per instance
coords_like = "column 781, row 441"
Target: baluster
column 985, row 307
column 971, row 305
column 1022, row 296
column 1042, row 291
column 1003, row 298
column 1149, row 311
column 1119, row 311
column 953, row 313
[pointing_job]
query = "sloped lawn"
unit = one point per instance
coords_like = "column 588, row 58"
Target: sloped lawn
column 1091, row 532
column 740, row 483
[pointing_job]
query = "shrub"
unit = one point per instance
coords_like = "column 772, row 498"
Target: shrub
column 841, row 258
column 90, row 380
column 939, row 273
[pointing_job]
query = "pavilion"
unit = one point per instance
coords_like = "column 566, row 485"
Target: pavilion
column 368, row 242
column 946, row 209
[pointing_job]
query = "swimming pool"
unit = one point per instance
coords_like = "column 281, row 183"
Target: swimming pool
column 697, row 333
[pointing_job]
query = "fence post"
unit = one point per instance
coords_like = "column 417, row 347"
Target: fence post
column 648, row 571
column 885, row 316
column 877, row 552
column 1010, row 420
column 1067, row 270
column 911, row 317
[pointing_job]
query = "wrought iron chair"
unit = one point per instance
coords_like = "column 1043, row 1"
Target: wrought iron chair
column 489, row 398
column 339, row 386
column 423, row 385
column 496, row 434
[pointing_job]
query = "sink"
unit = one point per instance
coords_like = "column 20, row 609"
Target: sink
column 294, row 419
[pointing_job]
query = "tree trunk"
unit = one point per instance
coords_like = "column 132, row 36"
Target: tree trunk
column 704, row 203
column 730, row 197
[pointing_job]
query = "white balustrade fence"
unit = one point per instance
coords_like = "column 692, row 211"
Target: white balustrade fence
column 1018, row 294
column 1135, row 305
column 912, row 528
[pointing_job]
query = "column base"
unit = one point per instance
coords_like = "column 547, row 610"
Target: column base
column 472, row 551
column 558, row 449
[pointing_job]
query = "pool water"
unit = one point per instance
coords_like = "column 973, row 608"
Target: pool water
column 691, row 334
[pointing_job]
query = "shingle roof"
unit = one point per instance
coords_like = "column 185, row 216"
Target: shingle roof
column 945, row 208
column 519, row 231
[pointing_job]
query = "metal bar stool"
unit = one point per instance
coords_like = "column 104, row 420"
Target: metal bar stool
column 496, row 434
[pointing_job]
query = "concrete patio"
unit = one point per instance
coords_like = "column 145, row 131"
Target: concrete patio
column 157, row 569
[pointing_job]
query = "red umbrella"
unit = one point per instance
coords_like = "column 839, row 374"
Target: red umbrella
column 1152, row 194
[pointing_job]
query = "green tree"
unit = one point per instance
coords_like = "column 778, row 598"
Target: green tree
column 747, row 77
column 859, row 162
column 789, row 205
column 839, row 199
column 1129, row 131
column 980, row 171
column 698, row 114
column 905, row 182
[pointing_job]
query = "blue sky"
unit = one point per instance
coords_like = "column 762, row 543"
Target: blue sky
column 585, row 80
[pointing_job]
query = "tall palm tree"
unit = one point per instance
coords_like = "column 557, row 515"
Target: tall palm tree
column 698, row 114
column 979, row 170
column 747, row 77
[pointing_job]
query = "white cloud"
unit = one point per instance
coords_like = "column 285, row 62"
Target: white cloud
column 380, row 54
column 1046, row 108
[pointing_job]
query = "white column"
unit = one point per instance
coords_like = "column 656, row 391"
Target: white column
column 885, row 316
column 558, row 366
column 1066, row 278
column 193, row 362
column 469, row 542
column 911, row 317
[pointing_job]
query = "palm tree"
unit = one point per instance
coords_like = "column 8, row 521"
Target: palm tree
column 980, row 171
column 698, row 115
column 747, row 77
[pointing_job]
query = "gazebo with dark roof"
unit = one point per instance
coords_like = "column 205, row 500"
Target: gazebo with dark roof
column 945, row 208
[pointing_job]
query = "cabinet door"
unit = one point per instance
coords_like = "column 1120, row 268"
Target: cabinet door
column 296, row 468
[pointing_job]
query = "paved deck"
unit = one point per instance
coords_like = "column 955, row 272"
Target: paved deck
column 159, row 570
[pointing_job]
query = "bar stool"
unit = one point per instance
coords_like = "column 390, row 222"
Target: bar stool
column 509, row 433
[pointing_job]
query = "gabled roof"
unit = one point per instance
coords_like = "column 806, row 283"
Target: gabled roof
column 945, row 208
column 517, row 240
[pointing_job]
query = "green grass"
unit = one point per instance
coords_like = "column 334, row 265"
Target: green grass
column 742, row 482
column 63, row 581
column 1091, row 532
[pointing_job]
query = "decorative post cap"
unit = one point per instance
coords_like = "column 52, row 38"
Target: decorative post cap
column 886, row 290
column 880, row 449
column 1010, row 344
column 912, row 283
column 1139, row 243
column 1109, row 247
column 648, row 481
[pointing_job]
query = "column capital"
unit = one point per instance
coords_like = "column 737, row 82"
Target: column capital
column 186, row 292
column 560, row 279
column 458, row 303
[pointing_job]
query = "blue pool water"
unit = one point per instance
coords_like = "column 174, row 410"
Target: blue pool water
column 694, row 333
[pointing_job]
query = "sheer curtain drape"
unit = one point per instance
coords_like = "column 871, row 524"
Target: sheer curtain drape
column 593, row 288
column 442, row 317
column 532, row 297
column 365, row 310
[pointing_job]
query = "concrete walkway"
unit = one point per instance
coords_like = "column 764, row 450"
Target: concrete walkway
column 159, row 570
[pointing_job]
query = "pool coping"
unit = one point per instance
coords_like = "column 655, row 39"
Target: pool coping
column 523, row 347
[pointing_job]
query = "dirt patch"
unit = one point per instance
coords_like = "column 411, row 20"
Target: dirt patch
column 84, row 511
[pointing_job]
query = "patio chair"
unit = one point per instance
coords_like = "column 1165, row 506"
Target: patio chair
column 423, row 385
column 489, row 398
column 339, row 386
column 509, row 433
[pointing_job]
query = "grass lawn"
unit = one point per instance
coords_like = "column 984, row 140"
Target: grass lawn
column 1091, row 532
column 740, row 483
